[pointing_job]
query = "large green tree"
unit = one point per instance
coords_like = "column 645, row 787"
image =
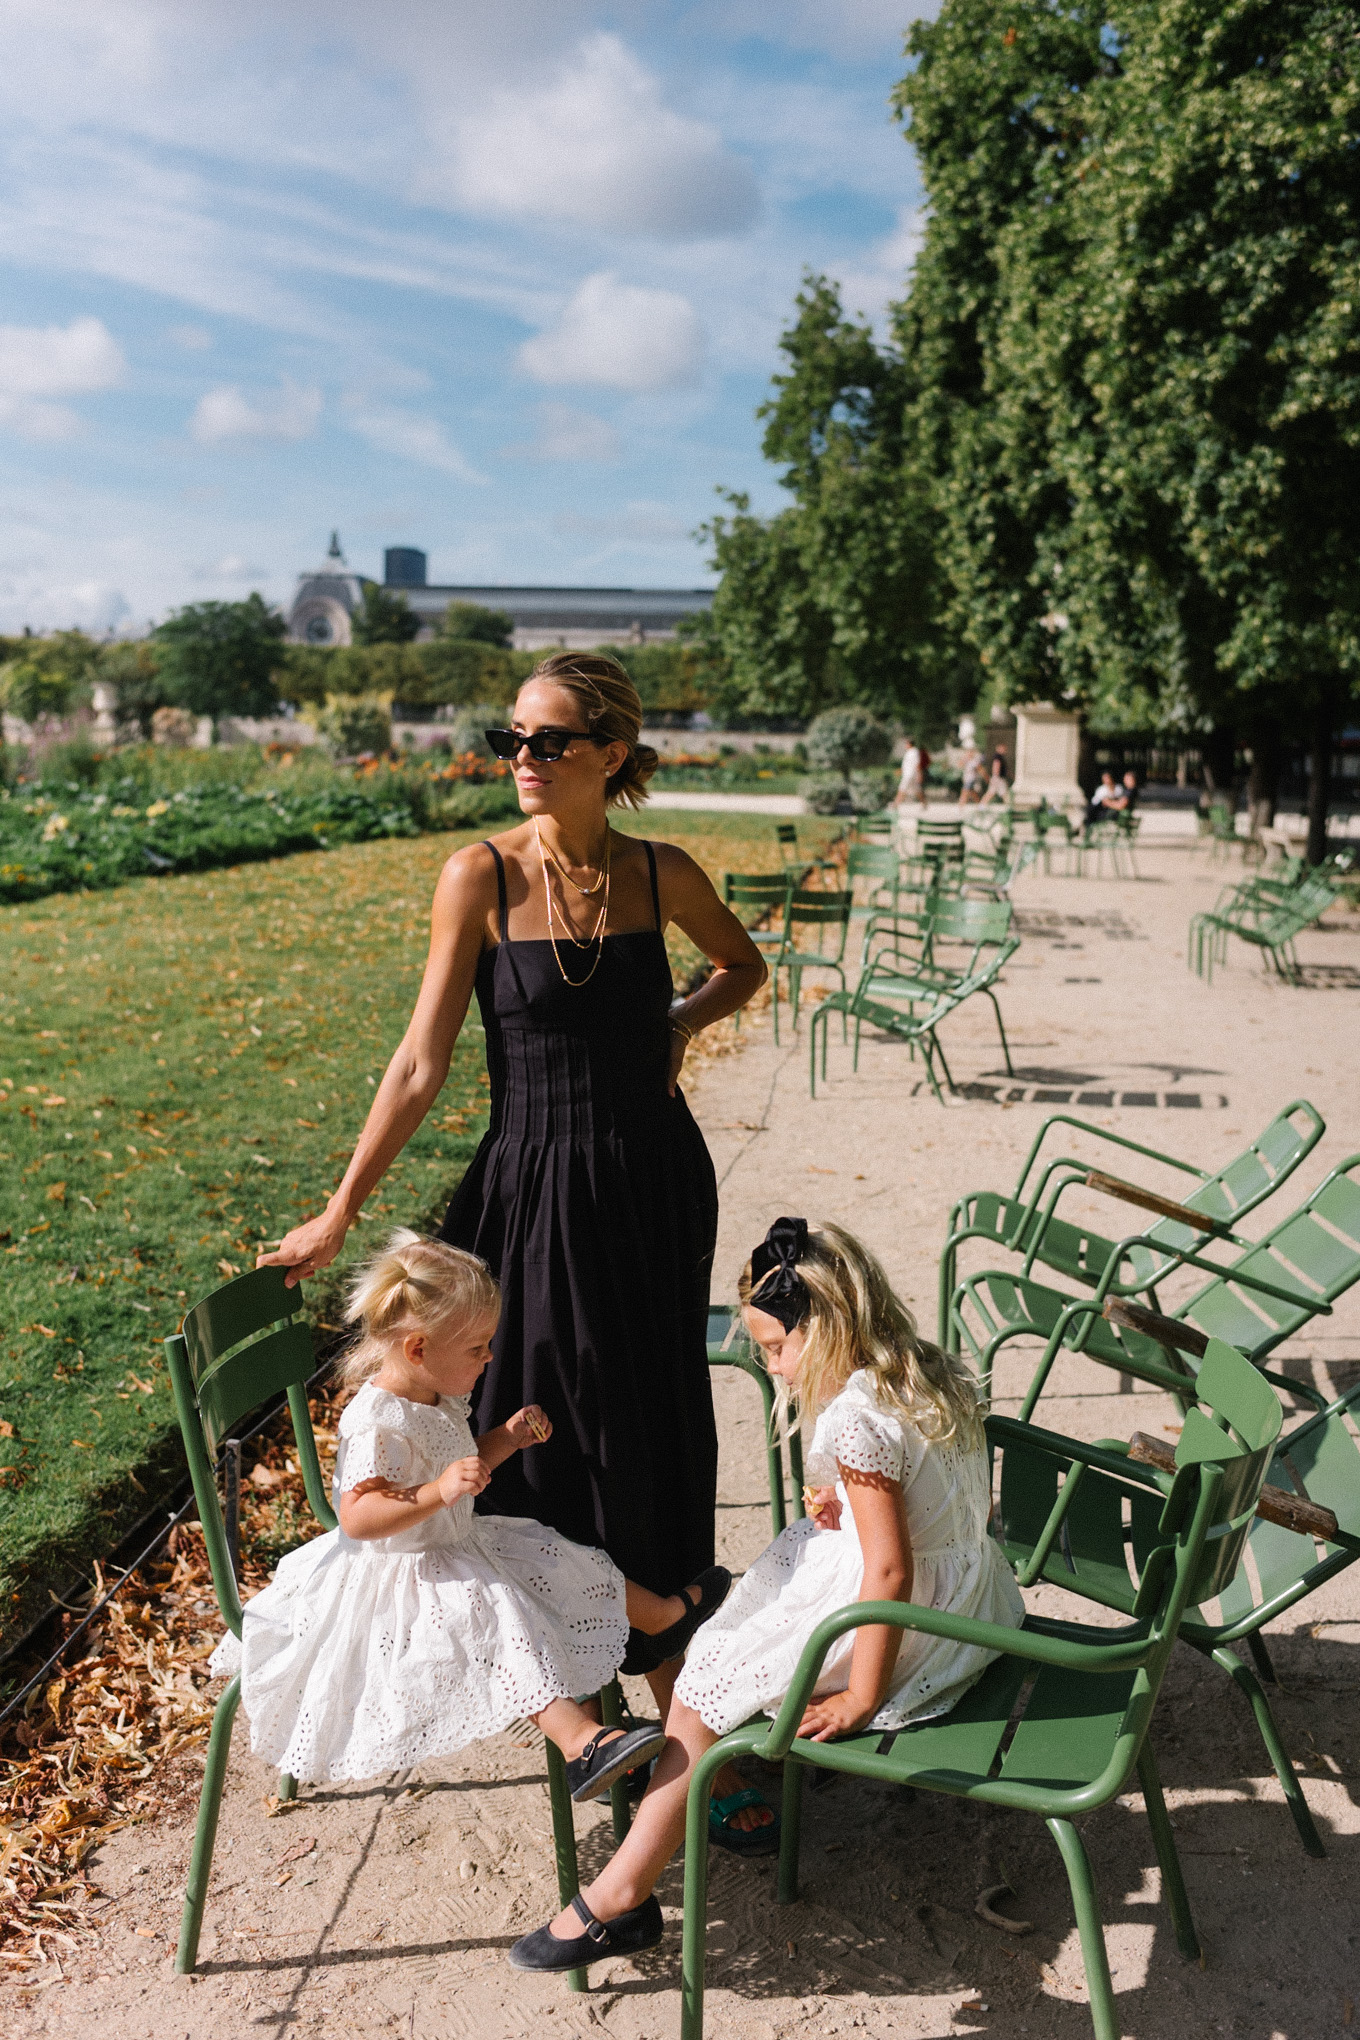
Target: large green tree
column 383, row 618
column 221, row 658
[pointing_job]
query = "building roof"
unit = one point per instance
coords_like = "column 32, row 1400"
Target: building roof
column 549, row 608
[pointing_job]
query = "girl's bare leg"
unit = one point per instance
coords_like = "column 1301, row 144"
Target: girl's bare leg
column 729, row 1779
column 570, row 1726
column 651, row 1612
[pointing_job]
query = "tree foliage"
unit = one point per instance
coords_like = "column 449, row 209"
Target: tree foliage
column 220, row 658
column 383, row 618
column 48, row 677
column 481, row 626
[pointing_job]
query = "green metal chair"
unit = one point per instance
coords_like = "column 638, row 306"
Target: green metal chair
column 727, row 1348
column 1270, row 1291
column 239, row 1348
column 1079, row 1730
column 952, row 941
column 880, row 826
column 1025, row 1223
column 828, row 913
column 752, row 895
column 1269, row 923
column 880, row 866
column 916, row 1020
column 1075, row 1536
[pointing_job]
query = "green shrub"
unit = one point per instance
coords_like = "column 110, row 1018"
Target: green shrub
column 349, row 728
column 845, row 739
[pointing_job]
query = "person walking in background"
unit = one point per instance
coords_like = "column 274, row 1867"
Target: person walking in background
column 997, row 779
column 972, row 781
column 912, row 783
column 592, row 1197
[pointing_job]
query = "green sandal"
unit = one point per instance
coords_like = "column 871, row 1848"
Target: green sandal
column 760, row 1841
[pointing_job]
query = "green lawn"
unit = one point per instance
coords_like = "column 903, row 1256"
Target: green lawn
column 186, row 1063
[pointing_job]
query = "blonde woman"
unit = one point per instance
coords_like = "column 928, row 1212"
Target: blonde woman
column 900, row 1514
column 592, row 1197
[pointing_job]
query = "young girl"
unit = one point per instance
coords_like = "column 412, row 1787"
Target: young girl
column 417, row 1627
column 900, row 1514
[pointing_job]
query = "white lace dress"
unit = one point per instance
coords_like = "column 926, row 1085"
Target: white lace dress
column 742, row 1661
column 360, row 1658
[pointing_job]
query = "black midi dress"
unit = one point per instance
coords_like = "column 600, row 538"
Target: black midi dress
column 592, row 1199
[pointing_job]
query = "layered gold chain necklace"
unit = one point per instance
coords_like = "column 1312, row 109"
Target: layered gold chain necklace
column 596, row 936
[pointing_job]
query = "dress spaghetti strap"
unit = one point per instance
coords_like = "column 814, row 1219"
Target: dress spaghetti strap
column 500, row 890
column 656, row 896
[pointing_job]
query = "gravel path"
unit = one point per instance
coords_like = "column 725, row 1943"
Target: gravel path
column 398, row 1920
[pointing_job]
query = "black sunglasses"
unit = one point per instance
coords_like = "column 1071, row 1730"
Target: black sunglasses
column 545, row 747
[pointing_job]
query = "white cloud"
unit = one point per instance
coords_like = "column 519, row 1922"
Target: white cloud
column 231, row 567
column 564, row 433
column 193, row 339
column 59, row 361
column 411, row 437
column 39, row 422
column 636, row 524
column 228, row 413
column 595, row 145
column 619, row 336
column 880, row 278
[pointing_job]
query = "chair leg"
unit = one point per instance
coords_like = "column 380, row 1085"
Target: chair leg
column 1173, row 1884
column 790, row 1832
column 1261, row 1658
column 1089, row 1927
column 287, row 1788
column 611, row 1716
column 205, row 1834
column 1001, row 1030
column 695, row 1933
column 564, row 1842
column 1246, row 1681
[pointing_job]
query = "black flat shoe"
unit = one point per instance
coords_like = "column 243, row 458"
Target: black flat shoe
column 629, row 1934
column 603, row 1762
column 648, row 1653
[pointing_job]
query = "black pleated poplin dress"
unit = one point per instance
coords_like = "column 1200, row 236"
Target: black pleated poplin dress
column 592, row 1199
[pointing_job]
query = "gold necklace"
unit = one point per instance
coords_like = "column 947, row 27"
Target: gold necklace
column 596, row 935
column 588, row 891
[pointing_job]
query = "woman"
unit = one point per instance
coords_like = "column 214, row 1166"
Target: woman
column 592, row 1196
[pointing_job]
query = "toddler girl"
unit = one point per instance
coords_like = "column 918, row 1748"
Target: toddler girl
column 900, row 1514
column 418, row 1627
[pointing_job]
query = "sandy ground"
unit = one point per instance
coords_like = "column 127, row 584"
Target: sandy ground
column 398, row 1919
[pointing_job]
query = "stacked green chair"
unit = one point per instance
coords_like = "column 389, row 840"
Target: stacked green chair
column 1266, row 913
column 1265, row 1295
column 1077, row 1732
column 952, row 941
column 1068, row 1527
column 238, row 1349
column 1026, row 1224
column 915, row 1020
column 828, row 915
column 877, row 865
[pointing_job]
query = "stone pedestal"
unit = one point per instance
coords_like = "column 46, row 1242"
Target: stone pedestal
column 1047, row 745
column 104, row 728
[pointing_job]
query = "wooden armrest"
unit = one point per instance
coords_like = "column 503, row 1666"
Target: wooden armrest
column 1150, row 1200
column 1275, row 1505
column 1167, row 1331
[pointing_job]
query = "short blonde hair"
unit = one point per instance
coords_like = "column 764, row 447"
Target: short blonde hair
column 413, row 1285
column 856, row 1321
column 612, row 708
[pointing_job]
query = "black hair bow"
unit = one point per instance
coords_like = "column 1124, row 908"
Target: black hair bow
column 776, row 1285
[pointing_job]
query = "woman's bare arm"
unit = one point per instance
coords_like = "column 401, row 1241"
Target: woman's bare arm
column 463, row 899
column 739, row 970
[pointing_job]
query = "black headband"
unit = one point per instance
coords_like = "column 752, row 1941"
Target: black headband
column 776, row 1285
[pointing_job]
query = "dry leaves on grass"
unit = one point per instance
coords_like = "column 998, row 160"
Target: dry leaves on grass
column 92, row 1749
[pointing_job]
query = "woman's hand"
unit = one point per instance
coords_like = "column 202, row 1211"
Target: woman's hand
column 313, row 1244
column 463, row 1477
column 837, row 1714
column 529, row 1426
column 823, row 1504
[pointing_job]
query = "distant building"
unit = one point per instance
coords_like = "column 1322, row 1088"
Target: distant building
column 575, row 618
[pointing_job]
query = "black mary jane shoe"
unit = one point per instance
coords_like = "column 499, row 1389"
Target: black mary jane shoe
column 609, row 1756
column 629, row 1934
column 648, row 1653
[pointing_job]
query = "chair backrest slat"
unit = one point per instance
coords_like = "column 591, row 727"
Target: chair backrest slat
column 234, row 1313
column 250, row 1376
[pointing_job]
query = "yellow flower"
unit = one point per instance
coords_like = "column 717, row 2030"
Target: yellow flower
column 157, row 807
column 54, row 827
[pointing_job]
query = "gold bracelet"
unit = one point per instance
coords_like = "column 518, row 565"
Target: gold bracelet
column 679, row 1027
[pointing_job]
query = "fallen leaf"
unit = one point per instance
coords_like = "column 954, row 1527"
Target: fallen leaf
column 146, row 1933
column 56, row 1193
column 226, row 1268
column 298, row 1851
column 265, row 1477
column 54, row 1100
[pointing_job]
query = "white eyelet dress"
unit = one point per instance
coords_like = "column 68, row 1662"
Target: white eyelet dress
column 360, row 1658
column 743, row 1659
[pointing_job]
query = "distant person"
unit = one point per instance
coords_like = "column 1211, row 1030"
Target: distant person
column 997, row 778
column 1107, row 801
column 973, row 778
column 1130, row 792
column 912, row 783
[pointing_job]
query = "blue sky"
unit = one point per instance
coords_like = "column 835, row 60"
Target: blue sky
column 503, row 279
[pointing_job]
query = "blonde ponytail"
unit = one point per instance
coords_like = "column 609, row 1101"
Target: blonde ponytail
column 413, row 1285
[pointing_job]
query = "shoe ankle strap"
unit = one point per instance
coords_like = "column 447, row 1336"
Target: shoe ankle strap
column 596, row 1930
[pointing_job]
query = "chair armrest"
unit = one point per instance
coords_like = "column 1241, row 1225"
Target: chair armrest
column 1031, row 1645
column 1104, row 1133
column 1105, row 1455
column 1151, row 1200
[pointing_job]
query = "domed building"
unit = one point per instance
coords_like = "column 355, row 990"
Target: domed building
column 325, row 601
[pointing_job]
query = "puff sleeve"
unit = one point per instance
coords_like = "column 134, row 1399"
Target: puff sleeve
column 860, row 1438
column 373, row 1453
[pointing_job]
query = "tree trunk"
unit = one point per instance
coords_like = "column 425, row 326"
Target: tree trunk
column 1263, row 784
column 1217, row 752
column 1320, row 773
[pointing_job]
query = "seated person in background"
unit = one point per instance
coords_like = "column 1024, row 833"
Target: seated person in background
column 1107, row 800
column 1130, row 791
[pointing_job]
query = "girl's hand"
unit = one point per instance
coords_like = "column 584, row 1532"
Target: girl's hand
column 837, row 1714
column 529, row 1426
column 463, row 1477
column 313, row 1244
column 823, row 1504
